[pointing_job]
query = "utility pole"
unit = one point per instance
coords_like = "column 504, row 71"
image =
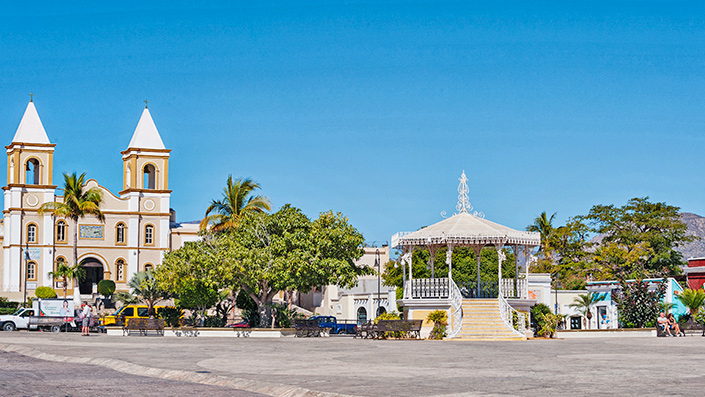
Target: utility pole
column 379, row 281
column 26, row 268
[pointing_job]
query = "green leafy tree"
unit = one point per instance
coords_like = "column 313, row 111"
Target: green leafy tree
column 197, row 295
column 77, row 203
column 225, row 214
column 67, row 273
column 693, row 299
column 144, row 285
column 584, row 302
column 268, row 253
column 637, row 303
column 639, row 238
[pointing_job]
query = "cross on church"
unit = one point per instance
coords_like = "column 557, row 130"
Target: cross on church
column 145, row 103
column 30, row 96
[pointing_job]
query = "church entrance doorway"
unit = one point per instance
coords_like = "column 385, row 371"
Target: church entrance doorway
column 94, row 273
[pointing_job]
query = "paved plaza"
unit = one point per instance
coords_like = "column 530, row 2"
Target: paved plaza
column 347, row 366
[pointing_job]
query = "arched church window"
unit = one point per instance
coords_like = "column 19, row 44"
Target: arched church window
column 120, row 233
column 61, row 231
column 148, row 267
column 31, row 233
column 59, row 283
column 32, row 172
column 128, row 176
column 149, row 234
column 150, row 177
column 120, row 270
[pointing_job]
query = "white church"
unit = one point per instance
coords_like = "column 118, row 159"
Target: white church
column 139, row 226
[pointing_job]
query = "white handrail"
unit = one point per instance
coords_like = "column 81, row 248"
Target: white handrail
column 507, row 313
column 456, row 302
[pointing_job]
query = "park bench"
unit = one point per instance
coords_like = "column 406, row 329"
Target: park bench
column 306, row 328
column 690, row 327
column 399, row 328
column 143, row 325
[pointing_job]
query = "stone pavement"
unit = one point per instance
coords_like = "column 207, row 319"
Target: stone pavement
column 346, row 366
column 27, row 376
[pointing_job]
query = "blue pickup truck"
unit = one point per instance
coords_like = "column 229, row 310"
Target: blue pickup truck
column 336, row 326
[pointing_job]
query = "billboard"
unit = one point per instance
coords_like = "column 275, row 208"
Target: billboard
column 53, row 307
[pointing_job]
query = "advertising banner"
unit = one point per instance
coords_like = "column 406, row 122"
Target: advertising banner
column 54, row 307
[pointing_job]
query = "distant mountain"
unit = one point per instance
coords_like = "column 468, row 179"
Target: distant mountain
column 696, row 227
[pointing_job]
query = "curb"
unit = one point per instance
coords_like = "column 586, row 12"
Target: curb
column 271, row 389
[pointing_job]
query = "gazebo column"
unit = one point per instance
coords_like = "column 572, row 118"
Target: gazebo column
column 449, row 262
column 478, row 251
column 516, row 270
column 500, row 258
column 405, row 261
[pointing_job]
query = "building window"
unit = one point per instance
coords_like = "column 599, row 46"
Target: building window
column 361, row 315
column 120, row 233
column 32, row 172
column 120, row 270
column 148, row 267
column 59, row 283
column 61, row 231
column 32, row 270
column 149, row 235
column 31, row 233
column 150, row 177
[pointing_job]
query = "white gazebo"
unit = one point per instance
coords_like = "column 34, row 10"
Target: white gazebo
column 467, row 229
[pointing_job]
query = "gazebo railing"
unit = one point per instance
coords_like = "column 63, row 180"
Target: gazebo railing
column 429, row 288
column 509, row 291
column 456, row 303
column 512, row 318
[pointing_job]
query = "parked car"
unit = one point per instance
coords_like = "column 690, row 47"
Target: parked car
column 129, row 311
column 241, row 324
column 336, row 326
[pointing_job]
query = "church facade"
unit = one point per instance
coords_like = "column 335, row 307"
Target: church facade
column 139, row 226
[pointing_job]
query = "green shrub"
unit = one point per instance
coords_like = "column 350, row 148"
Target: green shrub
column 106, row 287
column 440, row 322
column 537, row 312
column 549, row 324
column 45, row 293
column 214, row 322
column 7, row 303
column 283, row 317
column 7, row 310
column 171, row 315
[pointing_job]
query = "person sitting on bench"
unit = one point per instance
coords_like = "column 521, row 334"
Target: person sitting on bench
column 663, row 324
column 673, row 325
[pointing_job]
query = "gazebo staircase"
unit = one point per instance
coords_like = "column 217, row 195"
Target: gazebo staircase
column 482, row 320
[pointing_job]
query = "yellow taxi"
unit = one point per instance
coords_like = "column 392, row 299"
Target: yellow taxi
column 129, row 311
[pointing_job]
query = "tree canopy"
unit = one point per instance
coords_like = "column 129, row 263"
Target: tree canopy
column 224, row 215
column 267, row 253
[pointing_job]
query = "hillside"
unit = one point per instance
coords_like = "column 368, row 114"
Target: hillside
column 696, row 226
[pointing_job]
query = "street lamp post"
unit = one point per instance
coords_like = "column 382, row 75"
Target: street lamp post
column 26, row 268
column 379, row 281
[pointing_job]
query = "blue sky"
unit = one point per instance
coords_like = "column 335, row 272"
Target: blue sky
column 374, row 109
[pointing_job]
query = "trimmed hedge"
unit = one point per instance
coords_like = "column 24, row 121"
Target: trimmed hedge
column 45, row 293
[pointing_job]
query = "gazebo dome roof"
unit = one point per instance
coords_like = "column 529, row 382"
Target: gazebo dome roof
column 467, row 229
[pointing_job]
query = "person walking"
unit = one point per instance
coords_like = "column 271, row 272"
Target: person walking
column 86, row 319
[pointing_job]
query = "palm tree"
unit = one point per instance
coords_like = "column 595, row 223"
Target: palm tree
column 583, row 302
column 544, row 226
column 237, row 201
column 144, row 284
column 693, row 299
column 77, row 204
column 66, row 273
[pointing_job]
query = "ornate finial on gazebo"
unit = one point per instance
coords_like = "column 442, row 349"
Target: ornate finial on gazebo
column 464, row 205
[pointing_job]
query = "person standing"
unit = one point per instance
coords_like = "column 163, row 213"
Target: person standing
column 85, row 321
